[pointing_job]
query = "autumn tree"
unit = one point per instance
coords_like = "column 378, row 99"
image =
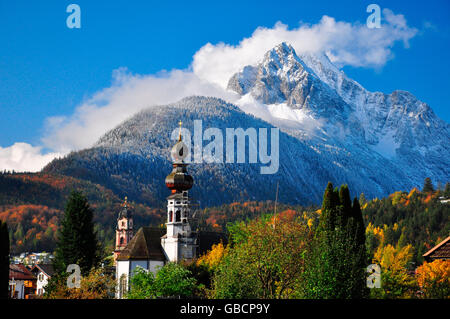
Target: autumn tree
column 204, row 268
column 213, row 257
column 4, row 260
column 95, row 285
column 434, row 279
column 265, row 260
column 77, row 241
column 395, row 280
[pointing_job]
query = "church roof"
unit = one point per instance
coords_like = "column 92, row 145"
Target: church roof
column 145, row 245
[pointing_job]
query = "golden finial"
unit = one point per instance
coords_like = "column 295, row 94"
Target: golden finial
column 126, row 199
column 179, row 136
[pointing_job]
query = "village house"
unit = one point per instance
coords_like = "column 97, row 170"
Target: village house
column 22, row 282
column 440, row 251
column 42, row 272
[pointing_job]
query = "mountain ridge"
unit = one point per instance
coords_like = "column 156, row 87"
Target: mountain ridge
column 330, row 139
column 397, row 125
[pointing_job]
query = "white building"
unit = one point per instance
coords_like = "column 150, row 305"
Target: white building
column 43, row 273
column 151, row 247
column 22, row 282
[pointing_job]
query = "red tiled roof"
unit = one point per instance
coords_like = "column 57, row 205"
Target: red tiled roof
column 20, row 272
column 440, row 251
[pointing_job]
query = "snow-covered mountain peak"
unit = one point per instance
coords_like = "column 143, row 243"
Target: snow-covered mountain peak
column 283, row 78
column 397, row 126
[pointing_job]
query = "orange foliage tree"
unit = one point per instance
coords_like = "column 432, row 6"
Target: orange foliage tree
column 434, row 279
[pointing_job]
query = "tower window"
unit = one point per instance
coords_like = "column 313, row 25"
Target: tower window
column 170, row 216
column 178, row 216
column 121, row 241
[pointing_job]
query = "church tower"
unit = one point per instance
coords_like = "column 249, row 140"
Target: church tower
column 179, row 243
column 124, row 229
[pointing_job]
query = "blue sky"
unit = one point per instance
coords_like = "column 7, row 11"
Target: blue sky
column 48, row 70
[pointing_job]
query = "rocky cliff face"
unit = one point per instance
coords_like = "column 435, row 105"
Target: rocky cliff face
column 398, row 126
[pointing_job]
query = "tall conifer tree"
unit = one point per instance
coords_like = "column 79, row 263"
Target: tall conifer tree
column 337, row 265
column 447, row 190
column 77, row 240
column 428, row 186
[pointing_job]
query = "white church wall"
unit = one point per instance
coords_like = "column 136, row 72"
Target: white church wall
column 122, row 268
column 170, row 247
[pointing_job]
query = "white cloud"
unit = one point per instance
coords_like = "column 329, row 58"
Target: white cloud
column 347, row 44
column 212, row 66
column 128, row 95
column 23, row 157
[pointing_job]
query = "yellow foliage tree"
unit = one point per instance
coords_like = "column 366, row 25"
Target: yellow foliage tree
column 395, row 280
column 96, row 285
column 397, row 197
column 434, row 279
column 213, row 257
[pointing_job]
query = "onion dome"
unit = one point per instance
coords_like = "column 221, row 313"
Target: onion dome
column 124, row 212
column 179, row 180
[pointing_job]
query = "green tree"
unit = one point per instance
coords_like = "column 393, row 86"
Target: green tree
column 337, row 258
column 235, row 279
column 174, row 280
column 428, row 186
column 4, row 260
column 171, row 280
column 447, row 190
column 142, row 284
column 266, row 260
column 77, row 241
